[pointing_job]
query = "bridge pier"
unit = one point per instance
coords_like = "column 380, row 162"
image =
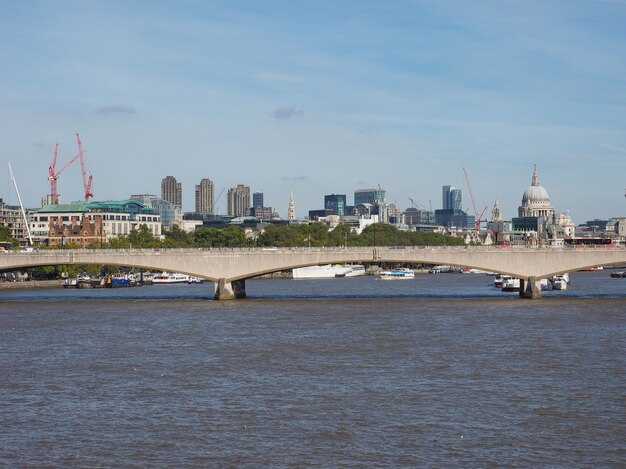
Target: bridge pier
column 225, row 290
column 529, row 288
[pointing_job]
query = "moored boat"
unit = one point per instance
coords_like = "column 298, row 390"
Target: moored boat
column 328, row 271
column 170, row 277
column 356, row 270
column 559, row 282
column 510, row 283
column 397, row 274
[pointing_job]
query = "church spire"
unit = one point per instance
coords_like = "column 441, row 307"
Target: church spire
column 496, row 212
column 291, row 215
column 535, row 177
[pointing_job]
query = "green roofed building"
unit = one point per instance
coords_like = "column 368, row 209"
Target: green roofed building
column 86, row 223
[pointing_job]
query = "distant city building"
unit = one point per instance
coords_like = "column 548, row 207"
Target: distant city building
column 336, row 203
column 496, row 212
column 258, row 209
column 369, row 196
column 291, row 215
column 169, row 213
column 451, row 198
column 172, row 191
column 536, row 201
column 238, row 201
column 86, row 223
column 11, row 217
column 257, row 200
column 453, row 218
column 537, row 220
column 315, row 215
column 417, row 216
column 205, row 197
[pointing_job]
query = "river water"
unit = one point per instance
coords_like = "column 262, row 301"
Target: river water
column 443, row 370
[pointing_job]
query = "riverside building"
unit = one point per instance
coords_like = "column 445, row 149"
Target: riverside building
column 87, row 223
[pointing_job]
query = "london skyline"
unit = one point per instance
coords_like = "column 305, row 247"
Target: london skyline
column 319, row 98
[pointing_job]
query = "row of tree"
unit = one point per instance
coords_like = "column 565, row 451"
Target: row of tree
column 295, row 235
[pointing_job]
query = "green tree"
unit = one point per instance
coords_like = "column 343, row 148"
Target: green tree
column 5, row 233
column 143, row 238
column 176, row 237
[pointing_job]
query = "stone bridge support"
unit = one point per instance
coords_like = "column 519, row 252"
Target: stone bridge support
column 530, row 288
column 225, row 290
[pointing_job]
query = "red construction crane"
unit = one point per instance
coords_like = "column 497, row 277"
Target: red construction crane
column 86, row 182
column 53, row 175
column 479, row 218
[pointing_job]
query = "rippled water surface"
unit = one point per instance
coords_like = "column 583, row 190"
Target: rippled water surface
column 440, row 371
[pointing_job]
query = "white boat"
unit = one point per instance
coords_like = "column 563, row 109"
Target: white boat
column 397, row 274
column 564, row 276
column 170, row 277
column 195, row 280
column 497, row 280
column 559, row 282
column 356, row 270
column 328, row 271
column 510, row 283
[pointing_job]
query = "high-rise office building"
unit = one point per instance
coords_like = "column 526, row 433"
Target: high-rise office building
column 369, row 196
column 205, row 196
column 451, row 198
column 239, row 201
column 257, row 200
column 336, row 203
column 258, row 209
column 172, row 191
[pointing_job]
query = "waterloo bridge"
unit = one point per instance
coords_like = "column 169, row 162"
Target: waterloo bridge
column 229, row 268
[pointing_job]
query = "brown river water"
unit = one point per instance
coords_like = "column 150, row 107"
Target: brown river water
column 441, row 371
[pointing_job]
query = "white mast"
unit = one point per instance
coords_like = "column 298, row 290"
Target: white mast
column 30, row 239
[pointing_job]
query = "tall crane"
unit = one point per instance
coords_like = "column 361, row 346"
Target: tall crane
column 87, row 183
column 53, row 174
column 479, row 218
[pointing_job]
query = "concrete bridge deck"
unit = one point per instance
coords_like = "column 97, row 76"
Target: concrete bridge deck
column 229, row 268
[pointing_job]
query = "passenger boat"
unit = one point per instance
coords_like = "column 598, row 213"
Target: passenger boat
column 497, row 280
column 356, row 270
column 328, row 271
column 559, row 282
column 397, row 274
column 170, row 277
column 510, row 283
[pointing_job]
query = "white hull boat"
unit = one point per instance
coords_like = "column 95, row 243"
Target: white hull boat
column 328, row 271
column 397, row 274
column 510, row 283
column 170, row 277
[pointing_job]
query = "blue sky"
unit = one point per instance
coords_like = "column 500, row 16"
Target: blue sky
column 320, row 97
